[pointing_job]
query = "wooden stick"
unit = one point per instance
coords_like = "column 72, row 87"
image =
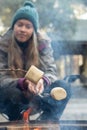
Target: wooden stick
column 11, row 69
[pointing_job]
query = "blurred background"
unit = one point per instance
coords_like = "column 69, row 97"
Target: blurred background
column 65, row 22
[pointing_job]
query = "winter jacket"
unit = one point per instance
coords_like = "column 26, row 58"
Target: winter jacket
column 8, row 83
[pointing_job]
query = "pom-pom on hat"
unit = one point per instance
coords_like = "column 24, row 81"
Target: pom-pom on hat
column 29, row 12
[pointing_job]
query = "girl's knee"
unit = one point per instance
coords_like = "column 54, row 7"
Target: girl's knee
column 63, row 84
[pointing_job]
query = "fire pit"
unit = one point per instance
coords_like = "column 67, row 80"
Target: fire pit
column 29, row 126
column 62, row 125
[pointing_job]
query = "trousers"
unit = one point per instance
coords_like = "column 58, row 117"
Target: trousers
column 52, row 109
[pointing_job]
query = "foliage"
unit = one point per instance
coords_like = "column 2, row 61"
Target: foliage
column 56, row 16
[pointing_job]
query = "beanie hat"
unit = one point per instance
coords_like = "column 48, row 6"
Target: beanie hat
column 29, row 12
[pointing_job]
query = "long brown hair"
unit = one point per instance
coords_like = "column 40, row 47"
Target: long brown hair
column 15, row 55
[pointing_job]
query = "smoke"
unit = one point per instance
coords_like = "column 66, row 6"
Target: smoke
column 73, row 125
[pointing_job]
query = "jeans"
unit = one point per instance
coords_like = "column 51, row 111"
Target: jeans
column 52, row 109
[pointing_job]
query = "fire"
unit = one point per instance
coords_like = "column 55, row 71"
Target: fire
column 26, row 120
column 27, row 128
column 26, row 115
column 37, row 129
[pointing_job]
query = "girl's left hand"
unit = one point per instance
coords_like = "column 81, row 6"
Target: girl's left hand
column 40, row 86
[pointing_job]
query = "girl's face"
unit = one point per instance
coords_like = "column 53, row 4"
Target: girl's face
column 23, row 30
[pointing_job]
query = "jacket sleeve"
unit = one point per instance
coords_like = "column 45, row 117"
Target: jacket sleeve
column 47, row 61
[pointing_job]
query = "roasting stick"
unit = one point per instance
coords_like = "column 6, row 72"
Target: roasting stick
column 11, row 69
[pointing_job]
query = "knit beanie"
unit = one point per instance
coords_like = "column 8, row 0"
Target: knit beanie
column 29, row 12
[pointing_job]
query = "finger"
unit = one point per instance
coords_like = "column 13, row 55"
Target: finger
column 31, row 88
column 39, row 87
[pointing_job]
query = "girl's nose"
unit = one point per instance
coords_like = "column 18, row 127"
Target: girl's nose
column 23, row 28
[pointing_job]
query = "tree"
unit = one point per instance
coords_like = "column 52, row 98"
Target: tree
column 56, row 17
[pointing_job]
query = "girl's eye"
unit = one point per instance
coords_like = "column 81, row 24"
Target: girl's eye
column 29, row 26
column 19, row 25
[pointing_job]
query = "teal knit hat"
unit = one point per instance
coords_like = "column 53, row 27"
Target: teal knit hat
column 29, row 12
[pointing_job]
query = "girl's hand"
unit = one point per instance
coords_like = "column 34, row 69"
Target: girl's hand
column 35, row 88
column 40, row 86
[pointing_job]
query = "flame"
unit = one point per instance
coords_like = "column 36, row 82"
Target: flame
column 26, row 127
column 26, row 120
column 37, row 129
column 26, row 115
